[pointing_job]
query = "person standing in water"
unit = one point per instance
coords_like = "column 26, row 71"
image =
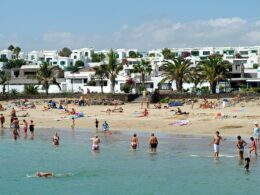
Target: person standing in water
column 134, row 142
column 2, row 120
column 25, row 127
column 153, row 143
column 56, row 139
column 31, row 128
column 256, row 132
column 241, row 146
column 216, row 142
column 73, row 123
column 95, row 143
column 253, row 147
column 96, row 124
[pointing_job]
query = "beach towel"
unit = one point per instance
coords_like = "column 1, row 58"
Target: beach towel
column 180, row 122
column 176, row 103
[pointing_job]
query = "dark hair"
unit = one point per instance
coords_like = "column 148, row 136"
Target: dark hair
column 152, row 134
column 134, row 135
column 217, row 132
column 239, row 137
column 251, row 138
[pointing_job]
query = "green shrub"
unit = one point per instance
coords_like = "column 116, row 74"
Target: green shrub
column 126, row 88
column 91, row 83
column 165, row 100
column 31, row 89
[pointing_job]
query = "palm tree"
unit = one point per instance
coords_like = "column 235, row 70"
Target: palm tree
column 101, row 73
column 17, row 51
column 113, row 68
column 214, row 69
column 45, row 76
column 144, row 68
column 195, row 76
column 177, row 70
column 4, row 79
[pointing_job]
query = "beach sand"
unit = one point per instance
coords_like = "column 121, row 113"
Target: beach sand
column 240, row 120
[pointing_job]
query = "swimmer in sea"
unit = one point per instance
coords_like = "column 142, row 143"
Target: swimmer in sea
column 96, row 123
column 216, row 142
column 134, row 142
column 95, row 143
column 153, row 143
column 44, row 174
column 25, row 128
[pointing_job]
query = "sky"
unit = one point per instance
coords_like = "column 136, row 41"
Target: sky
column 140, row 24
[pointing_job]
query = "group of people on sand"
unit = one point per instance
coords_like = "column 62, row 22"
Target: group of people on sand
column 240, row 145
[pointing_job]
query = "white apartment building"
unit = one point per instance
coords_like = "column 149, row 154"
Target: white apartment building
column 83, row 54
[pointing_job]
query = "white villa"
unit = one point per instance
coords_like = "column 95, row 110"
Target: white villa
column 244, row 60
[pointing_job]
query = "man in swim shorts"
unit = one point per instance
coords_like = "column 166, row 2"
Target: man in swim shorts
column 134, row 142
column 241, row 146
column 153, row 143
column 216, row 142
column 95, row 143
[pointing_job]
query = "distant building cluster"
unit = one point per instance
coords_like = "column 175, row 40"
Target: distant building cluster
column 245, row 67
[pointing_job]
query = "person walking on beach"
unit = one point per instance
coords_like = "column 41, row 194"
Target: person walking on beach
column 96, row 124
column 2, row 120
column 216, row 142
column 253, row 146
column 241, row 146
column 256, row 132
column 134, row 142
column 153, row 143
column 25, row 127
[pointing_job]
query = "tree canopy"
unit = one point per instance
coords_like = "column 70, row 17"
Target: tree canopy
column 65, row 52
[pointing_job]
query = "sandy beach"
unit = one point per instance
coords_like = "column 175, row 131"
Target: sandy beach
column 237, row 120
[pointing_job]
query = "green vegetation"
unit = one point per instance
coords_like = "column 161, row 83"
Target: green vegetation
column 101, row 73
column 65, row 52
column 45, row 76
column 214, row 69
column 178, row 70
column 113, row 68
column 97, row 57
column 30, row 90
column 144, row 68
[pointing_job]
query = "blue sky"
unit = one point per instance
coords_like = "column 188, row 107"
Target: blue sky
column 142, row 24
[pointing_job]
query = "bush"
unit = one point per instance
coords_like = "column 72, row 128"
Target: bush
column 30, row 90
column 165, row 100
column 14, row 92
column 255, row 66
column 126, row 88
column 91, row 83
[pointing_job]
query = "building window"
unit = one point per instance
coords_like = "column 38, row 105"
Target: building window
column 254, row 51
column 75, row 57
column 62, row 63
column 104, row 83
column 86, row 53
column 54, row 63
column 243, row 52
column 32, row 57
column 3, row 56
column 85, row 80
column 195, row 53
column 206, row 53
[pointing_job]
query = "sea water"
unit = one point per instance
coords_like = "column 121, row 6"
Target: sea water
column 182, row 165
